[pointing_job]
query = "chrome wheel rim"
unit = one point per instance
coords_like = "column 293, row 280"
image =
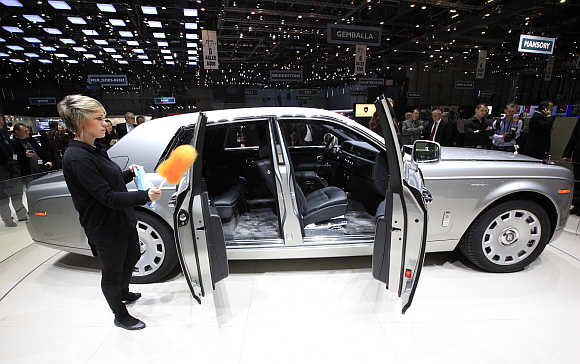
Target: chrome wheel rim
column 511, row 237
column 152, row 250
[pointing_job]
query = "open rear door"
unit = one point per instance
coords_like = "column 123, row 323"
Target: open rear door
column 198, row 230
column 400, row 235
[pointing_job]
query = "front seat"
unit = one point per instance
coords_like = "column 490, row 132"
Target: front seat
column 320, row 205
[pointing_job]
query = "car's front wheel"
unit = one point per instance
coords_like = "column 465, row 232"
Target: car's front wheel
column 158, row 255
column 507, row 237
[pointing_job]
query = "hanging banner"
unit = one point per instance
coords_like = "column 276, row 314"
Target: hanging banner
column 533, row 44
column 481, row 61
column 549, row 68
column 352, row 34
column 285, row 76
column 164, row 100
column 360, row 59
column 464, row 85
column 307, row 92
column 371, row 82
column 42, row 101
column 108, row 80
column 210, row 52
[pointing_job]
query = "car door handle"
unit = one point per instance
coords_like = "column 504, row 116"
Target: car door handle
column 172, row 200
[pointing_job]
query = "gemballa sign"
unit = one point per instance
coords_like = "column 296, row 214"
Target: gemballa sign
column 352, row 34
column 533, row 44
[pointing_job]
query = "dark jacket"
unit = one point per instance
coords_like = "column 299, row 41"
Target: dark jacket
column 9, row 167
column 539, row 136
column 572, row 149
column 476, row 133
column 121, row 129
column 105, row 141
column 27, row 165
column 443, row 135
column 98, row 191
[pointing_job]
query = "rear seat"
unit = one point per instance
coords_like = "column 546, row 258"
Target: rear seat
column 230, row 201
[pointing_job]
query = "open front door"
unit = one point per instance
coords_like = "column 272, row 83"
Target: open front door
column 198, row 230
column 401, row 230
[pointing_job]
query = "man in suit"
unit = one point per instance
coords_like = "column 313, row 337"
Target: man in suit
column 126, row 127
column 572, row 154
column 539, row 136
column 32, row 157
column 11, row 188
column 438, row 130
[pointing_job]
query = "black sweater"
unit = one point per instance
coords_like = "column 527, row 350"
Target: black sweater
column 99, row 193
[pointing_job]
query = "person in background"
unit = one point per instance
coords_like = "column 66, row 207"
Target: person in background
column 478, row 130
column 374, row 126
column 126, row 127
column 412, row 128
column 507, row 130
column 32, row 158
column 438, row 130
column 11, row 189
column 140, row 119
column 445, row 116
column 572, row 154
column 539, row 136
column 110, row 137
column 58, row 140
column 106, row 209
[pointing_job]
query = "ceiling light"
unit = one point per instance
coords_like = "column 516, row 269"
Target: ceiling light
column 163, row 44
column 48, row 49
column 150, row 10
column 16, row 60
column 143, row 56
column 15, row 47
column 116, row 56
column 101, row 42
column 125, row 33
column 44, row 61
column 147, row 62
column 154, row 24
column 90, row 32
column 133, row 43
column 170, row 62
column 61, row 55
column 122, row 61
column 89, row 55
column 97, row 61
column 67, row 41
column 52, row 30
column 31, row 55
column 167, row 57
column 192, row 51
column 12, row 29
column 159, row 35
column 454, row 15
column 190, row 12
column 72, row 61
column 165, row 51
column 191, row 36
column 191, row 45
column 106, row 8
column 423, row 7
column 190, row 25
column 117, row 22
column 412, row 5
column 2, row 40
column 138, row 50
column 31, row 39
column 191, row 58
column 33, row 18
column 192, row 63
column 2, row 54
column 60, row 5
column 109, row 50
column 452, row 11
column 76, row 20
column 80, row 49
column 11, row 3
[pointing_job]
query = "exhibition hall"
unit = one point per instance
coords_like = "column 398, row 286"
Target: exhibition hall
column 267, row 181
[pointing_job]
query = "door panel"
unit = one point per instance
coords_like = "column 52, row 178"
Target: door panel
column 400, row 236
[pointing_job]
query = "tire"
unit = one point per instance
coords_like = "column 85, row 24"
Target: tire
column 507, row 237
column 158, row 253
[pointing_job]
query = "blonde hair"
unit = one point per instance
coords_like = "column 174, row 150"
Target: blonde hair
column 76, row 109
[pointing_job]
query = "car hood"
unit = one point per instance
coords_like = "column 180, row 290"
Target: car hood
column 471, row 154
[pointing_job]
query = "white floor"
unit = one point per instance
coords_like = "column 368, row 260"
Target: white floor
column 302, row 311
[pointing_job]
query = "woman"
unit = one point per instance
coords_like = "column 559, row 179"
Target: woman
column 97, row 187
column 110, row 137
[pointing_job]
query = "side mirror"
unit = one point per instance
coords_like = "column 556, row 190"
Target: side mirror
column 425, row 151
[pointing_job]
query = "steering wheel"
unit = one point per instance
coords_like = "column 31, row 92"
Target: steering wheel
column 330, row 142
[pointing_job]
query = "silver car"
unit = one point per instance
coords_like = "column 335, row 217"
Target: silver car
column 284, row 183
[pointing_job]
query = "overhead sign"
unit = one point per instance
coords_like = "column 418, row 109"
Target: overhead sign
column 481, row 61
column 303, row 97
column 164, row 100
column 464, row 85
column 108, row 80
column 360, row 59
column 352, row 34
column 484, row 94
column 41, row 101
column 413, row 95
column 251, row 92
column 534, row 44
column 389, row 83
column 306, row 92
column 210, row 52
column 358, row 93
column 371, row 82
column 549, row 68
column 285, row 76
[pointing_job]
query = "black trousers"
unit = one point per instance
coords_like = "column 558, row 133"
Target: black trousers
column 576, row 198
column 117, row 257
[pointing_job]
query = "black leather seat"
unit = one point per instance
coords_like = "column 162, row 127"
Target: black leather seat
column 229, row 201
column 320, row 205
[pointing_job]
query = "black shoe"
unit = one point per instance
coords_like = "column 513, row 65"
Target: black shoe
column 23, row 219
column 129, row 322
column 131, row 297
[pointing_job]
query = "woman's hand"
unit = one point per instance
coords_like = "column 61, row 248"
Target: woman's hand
column 133, row 168
column 154, row 194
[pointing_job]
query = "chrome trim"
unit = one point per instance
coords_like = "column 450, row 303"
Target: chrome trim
column 301, row 252
column 256, row 148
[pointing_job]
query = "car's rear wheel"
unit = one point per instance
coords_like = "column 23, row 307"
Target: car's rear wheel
column 158, row 255
column 507, row 237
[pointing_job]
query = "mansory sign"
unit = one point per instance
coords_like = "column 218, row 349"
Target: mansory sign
column 533, row 44
column 352, row 34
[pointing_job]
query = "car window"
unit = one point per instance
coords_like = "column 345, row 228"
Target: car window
column 245, row 135
column 183, row 136
column 306, row 132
